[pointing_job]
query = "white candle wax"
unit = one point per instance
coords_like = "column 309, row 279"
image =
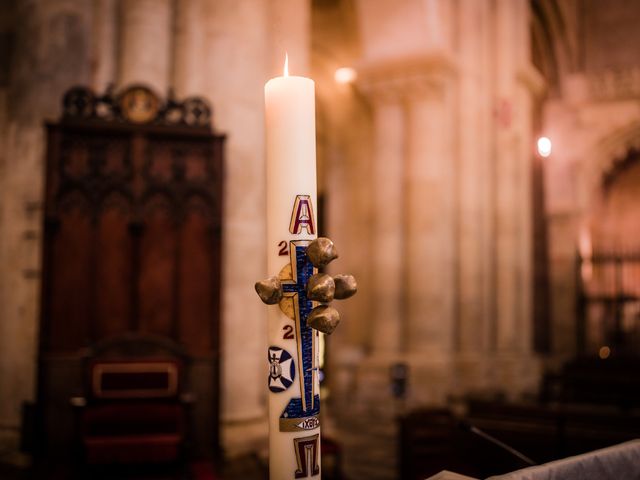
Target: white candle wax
column 294, row 428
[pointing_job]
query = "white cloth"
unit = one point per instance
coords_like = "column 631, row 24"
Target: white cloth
column 620, row 462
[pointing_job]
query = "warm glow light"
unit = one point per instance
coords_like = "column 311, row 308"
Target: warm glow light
column 586, row 251
column 584, row 242
column 286, row 64
column 544, row 146
column 345, row 75
column 604, row 352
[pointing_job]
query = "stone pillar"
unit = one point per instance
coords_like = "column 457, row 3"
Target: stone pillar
column 486, row 133
column 50, row 54
column 429, row 220
column 413, row 221
column 388, row 217
column 509, row 280
column 472, row 177
column 474, row 244
column 235, row 65
column 189, row 49
column 145, row 43
column 529, row 86
column 516, row 84
column 105, row 40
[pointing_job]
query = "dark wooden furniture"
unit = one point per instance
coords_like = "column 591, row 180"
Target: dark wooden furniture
column 132, row 246
column 432, row 440
column 608, row 301
column 613, row 382
column 135, row 409
column 427, row 443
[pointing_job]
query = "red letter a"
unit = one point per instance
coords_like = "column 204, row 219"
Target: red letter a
column 302, row 216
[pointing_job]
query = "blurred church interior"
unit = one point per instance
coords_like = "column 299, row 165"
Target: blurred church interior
column 478, row 170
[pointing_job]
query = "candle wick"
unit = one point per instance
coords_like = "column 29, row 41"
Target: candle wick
column 286, row 64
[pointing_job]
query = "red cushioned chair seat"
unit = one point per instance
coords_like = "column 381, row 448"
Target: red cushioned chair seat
column 133, row 419
column 132, row 448
column 134, row 414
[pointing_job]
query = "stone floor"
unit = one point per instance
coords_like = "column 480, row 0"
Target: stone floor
column 370, row 447
column 242, row 468
column 17, row 466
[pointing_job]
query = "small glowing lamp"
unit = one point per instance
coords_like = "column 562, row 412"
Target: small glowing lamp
column 544, row 146
column 345, row 75
column 604, row 352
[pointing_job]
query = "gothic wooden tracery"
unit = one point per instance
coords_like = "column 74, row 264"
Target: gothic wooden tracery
column 133, row 231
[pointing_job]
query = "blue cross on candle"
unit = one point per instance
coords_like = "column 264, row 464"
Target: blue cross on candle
column 302, row 270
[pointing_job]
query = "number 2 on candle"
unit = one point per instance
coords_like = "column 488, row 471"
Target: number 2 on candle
column 284, row 249
column 288, row 332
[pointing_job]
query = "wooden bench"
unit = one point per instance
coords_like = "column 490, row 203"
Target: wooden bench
column 432, row 440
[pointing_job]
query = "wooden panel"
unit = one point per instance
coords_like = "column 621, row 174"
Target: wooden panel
column 196, row 282
column 71, row 276
column 114, row 262
column 75, row 161
column 115, row 161
column 178, row 159
column 131, row 247
column 157, row 269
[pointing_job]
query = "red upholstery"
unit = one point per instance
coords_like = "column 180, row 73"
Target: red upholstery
column 134, row 414
column 133, row 419
column 132, row 448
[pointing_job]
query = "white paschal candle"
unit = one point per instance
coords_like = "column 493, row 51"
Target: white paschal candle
column 294, row 427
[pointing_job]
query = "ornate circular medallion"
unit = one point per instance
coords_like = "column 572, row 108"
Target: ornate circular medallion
column 79, row 102
column 138, row 104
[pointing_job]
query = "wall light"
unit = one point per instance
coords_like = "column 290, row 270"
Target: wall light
column 345, row 75
column 544, row 147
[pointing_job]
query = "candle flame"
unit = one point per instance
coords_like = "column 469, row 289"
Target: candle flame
column 286, row 64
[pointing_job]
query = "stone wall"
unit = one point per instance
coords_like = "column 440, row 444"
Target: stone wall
column 594, row 124
column 450, row 187
column 428, row 161
column 424, row 162
column 51, row 51
column 216, row 49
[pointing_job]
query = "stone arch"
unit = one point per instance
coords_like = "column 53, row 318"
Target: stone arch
column 615, row 149
column 609, row 152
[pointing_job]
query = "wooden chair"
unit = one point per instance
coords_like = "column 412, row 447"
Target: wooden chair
column 135, row 409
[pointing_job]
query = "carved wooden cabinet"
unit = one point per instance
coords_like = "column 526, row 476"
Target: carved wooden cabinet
column 132, row 245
